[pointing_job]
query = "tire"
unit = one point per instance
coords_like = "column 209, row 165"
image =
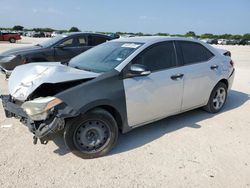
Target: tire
column 216, row 103
column 12, row 40
column 91, row 135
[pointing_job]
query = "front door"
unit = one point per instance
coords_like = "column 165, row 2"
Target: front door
column 159, row 94
column 66, row 50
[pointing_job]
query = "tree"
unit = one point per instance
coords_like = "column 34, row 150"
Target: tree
column 190, row 34
column 18, row 28
column 246, row 36
column 207, row 36
column 226, row 36
column 74, row 29
column 162, row 34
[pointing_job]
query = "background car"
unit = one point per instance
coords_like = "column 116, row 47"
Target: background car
column 58, row 49
column 11, row 37
column 56, row 33
column 243, row 42
column 39, row 35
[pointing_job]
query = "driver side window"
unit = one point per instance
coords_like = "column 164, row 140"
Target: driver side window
column 68, row 43
column 157, row 57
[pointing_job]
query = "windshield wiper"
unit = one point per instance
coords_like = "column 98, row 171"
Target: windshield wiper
column 83, row 69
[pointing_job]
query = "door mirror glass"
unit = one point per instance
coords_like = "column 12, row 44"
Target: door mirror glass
column 139, row 70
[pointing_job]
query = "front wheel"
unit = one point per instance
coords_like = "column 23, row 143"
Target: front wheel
column 217, row 98
column 92, row 135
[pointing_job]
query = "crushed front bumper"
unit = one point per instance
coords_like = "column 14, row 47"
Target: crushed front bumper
column 42, row 130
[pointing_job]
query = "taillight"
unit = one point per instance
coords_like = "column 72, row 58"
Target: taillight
column 232, row 63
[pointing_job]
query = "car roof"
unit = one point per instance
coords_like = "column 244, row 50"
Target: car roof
column 85, row 33
column 153, row 39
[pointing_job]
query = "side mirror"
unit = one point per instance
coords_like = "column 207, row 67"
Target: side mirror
column 138, row 70
column 60, row 46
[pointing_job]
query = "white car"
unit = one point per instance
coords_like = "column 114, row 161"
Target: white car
column 118, row 85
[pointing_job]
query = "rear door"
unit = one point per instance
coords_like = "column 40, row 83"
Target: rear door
column 159, row 94
column 199, row 75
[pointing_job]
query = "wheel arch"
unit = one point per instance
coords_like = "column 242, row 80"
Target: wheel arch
column 225, row 81
column 108, row 107
column 113, row 111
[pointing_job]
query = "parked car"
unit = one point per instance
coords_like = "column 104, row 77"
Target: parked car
column 39, row 35
column 212, row 41
column 60, row 49
column 243, row 42
column 11, row 37
column 47, row 34
column 56, row 33
column 119, row 85
column 222, row 41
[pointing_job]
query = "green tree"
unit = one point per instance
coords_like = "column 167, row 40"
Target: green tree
column 237, row 37
column 226, row 36
column 190, row 34
column 74, row 29
column 246, row 36
column 162, row 34
column 207, row 36
column 18, row 28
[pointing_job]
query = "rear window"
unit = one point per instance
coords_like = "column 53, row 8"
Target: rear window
column 194, row 52
column 96, row 40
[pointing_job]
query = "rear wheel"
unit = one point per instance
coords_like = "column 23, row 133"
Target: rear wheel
column 92, row 135
column 217, row 98
column 12, row 40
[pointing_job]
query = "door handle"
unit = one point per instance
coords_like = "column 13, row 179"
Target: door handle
column 177, row 76
column 213, row 67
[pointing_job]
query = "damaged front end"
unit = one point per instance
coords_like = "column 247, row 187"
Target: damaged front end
column 43, row 116
column 32, row 97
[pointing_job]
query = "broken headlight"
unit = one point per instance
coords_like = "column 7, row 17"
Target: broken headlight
column 38, row 109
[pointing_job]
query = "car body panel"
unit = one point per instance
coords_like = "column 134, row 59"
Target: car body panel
column 153, row 97
column 21, row 85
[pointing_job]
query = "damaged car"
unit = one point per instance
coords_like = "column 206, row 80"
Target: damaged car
column 115, row 87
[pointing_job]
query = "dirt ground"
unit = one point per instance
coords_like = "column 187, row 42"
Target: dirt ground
column 194, row 149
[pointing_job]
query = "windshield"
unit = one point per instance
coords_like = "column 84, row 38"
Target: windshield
column 51, row 41
column 104, row 57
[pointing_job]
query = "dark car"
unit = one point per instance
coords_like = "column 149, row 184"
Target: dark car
column 39, row 35
column 213, row 41
column 58, row 49
column 243, row 42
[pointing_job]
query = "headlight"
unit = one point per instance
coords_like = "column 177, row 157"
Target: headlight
column 38, row 108
column 8, row 58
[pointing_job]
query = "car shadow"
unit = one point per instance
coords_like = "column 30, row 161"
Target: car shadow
column 148, row 133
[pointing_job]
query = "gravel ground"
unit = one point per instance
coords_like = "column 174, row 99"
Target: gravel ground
column 194, row 149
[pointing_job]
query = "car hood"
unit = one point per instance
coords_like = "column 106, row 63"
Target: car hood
column 25, row 79
column 16, row 51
